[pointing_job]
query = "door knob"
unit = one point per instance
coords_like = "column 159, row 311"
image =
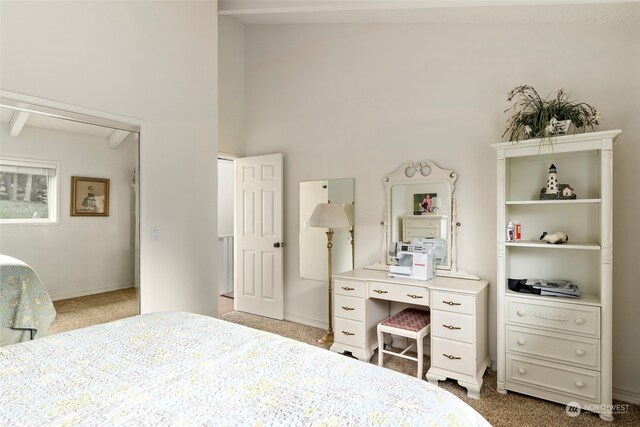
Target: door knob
column 276, row 245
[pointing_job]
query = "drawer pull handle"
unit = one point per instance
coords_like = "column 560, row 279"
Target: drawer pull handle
column 451, row 357
column 346, row 288
column 580, row 352
column 521, row 342
column 520, row 313
column 522, row 371
column 579, row 321
column 348, row 333
column 451, row 303
column 451, row 327
column 414, row 296
column 347, row 308
column 579, row 384
column 378, row 291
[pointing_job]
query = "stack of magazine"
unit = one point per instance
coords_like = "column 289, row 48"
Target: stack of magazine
column 555, row 288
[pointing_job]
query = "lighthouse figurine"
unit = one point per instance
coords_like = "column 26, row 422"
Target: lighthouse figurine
column 554, row 190
column 552, row 180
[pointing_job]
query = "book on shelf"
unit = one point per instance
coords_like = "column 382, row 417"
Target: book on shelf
column 561, row 288
column 555, row 288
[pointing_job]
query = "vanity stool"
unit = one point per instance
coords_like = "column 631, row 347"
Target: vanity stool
column 409, row 323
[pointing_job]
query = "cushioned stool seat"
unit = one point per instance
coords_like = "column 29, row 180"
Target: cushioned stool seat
column 409, row 323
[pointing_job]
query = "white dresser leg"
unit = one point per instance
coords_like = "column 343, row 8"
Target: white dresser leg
column 606, row 416
column 473, row 390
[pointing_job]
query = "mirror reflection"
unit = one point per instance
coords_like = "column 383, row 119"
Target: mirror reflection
column 69, row 219
column 419, row 210
column 313, row 241
column 419, row 213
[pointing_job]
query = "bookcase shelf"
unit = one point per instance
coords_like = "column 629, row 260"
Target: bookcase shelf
column 586, row 298
column 544, row 245
column 554, row 202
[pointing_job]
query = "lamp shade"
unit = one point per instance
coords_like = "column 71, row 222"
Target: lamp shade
column 348, row 209
column 327, row 215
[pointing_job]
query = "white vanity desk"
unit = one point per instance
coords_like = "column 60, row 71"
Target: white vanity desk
column 459, row 348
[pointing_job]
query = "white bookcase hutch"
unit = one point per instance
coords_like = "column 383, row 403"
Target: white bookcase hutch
column 553, row 348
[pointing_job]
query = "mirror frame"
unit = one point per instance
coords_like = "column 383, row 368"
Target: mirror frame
column 425, row 172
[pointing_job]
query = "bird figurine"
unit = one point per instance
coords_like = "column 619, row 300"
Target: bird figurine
column 556, row 238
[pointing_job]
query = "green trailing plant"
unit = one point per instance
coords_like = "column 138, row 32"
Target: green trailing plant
column 535, row 117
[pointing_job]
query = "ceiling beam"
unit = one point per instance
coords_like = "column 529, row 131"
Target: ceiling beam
column 116, row 138
column 18, row 120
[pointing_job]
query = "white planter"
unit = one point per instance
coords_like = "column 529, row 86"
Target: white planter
column 562, row 127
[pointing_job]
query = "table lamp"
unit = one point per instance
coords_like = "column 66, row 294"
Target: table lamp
column 327, row 215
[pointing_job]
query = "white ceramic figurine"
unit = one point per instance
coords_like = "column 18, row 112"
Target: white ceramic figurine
column 555, row 238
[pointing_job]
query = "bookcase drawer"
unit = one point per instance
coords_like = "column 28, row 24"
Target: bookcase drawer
column 557, row 316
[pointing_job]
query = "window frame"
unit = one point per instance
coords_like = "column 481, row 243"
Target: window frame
column 53, row 188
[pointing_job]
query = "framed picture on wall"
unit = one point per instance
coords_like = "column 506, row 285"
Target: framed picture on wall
column 89, row 196
column 423, row 203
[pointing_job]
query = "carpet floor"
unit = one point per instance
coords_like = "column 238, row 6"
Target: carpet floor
column 74, row 313
column 508, row 410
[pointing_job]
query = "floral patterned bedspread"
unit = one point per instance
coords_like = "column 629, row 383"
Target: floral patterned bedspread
column 24, row 302
column 191, row 370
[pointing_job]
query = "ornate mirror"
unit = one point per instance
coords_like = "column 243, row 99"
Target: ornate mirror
column 420, row 208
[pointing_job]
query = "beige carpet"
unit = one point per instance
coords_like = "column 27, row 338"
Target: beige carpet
column 508, row 410
column 74, row 313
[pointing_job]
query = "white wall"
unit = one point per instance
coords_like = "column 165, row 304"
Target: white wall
column 231, row 69
column 80, row 255
column 358, row 100
column 156, row 61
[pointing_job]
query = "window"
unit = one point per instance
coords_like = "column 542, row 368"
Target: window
column 28, row 191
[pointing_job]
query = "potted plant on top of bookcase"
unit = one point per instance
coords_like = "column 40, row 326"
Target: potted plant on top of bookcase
column 535, row 117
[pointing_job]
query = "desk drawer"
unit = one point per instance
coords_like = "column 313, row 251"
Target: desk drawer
column 456, row 303
column 422, row 223
column 561, row 348
column 453, row 356
column 349, row 307
column 558, row 316
column 453, row 326
column 575, row 382
column 399, row 293
column 349, row 332
column 349, row 287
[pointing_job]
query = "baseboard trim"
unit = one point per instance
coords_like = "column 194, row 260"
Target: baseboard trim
column 305, row 321
column 627, row 396
column 86, row 292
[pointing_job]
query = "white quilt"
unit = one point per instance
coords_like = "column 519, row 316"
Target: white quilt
column 190, row 370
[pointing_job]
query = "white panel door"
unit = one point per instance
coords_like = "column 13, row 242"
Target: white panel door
column 258, row 234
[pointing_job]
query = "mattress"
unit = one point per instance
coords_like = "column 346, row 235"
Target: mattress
column 186, row 369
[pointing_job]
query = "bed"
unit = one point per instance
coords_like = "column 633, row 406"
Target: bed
column 186, row 369
column 26, row 311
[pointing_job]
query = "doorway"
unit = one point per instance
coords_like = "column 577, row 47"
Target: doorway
column 226, row 189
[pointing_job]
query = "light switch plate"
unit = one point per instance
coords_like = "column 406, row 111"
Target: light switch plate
column 155, row 233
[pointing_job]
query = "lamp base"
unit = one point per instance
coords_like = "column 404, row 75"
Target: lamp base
column 327, row 338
